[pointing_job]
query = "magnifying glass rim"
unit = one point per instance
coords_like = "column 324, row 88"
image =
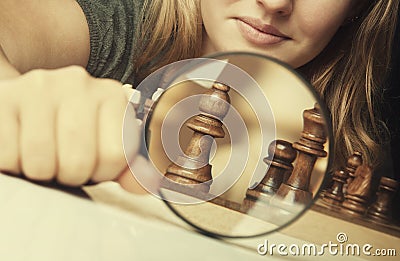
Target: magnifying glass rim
column 324, row 112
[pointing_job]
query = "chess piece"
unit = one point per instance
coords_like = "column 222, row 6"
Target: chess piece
column 334, row 195
column 309, row 147
column 193, row 167
column 381, row 210
column 353, row 162
column 281, row 162
column 358, row 192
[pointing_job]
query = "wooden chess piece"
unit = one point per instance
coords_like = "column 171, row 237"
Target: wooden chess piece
column 193, row 167
column 309, row 147
column 280, row 157
column 381, row 210
column 353, row 162
column 358, row 192
column 334, row 195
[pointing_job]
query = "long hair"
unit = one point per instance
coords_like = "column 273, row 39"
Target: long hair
column 349, row 74
column 170, row 30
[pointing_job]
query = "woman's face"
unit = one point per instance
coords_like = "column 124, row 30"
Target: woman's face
column 293, row 31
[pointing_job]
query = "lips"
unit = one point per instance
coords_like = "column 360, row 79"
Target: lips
column 259, row 33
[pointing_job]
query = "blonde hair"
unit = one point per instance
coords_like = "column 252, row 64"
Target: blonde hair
column 171, row 30
column 350, row 75
column 353, row 67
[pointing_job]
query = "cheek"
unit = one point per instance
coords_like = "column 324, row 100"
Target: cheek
column 210, row 10
column 319, row 24
column 212, row 13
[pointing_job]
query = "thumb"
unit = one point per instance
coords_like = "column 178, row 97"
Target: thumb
column 140, row 166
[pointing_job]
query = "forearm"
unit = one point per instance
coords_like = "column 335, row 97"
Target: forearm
column 43, row 34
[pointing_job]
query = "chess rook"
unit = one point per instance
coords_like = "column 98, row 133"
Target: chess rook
column 358, row 192
column 309, row 147
column 381, row 210
column 281, row 162
column 334, row 195
column 193, row 167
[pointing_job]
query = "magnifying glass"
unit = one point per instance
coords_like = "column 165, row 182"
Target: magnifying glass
column 239, row 142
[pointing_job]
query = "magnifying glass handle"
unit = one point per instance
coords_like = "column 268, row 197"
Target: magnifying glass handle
column 143, row 107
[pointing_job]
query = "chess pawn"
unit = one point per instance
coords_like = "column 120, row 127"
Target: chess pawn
column 358, row 192
column 334, row 195
column 281, row 162
column 353, row 162
column 381, row 210
column 193, row 167
column 309, row 147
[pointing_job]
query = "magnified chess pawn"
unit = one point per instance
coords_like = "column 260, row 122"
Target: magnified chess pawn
column 241, row 143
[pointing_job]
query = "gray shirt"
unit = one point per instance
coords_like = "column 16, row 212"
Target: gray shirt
column 111, row 26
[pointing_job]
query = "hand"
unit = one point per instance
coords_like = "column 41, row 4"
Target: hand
column 66, row 125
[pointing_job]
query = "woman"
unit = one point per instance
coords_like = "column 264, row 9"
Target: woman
column 73, row 132
column 337, row 45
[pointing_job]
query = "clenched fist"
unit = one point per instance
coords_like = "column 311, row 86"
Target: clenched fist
column 66, row 125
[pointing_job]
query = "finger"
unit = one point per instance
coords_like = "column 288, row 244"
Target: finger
column 37, row 140
column 149, row 180
column 9, row 139
column 76, row 140
column 129, row 183
column 131, row 133
column 111, row 158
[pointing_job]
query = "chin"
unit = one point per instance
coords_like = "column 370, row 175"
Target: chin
column 266, row 51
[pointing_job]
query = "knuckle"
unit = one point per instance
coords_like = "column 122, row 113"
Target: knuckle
column 110, row 86
column 75, row 76
column 77, row 73
column 76, row 69
column 119, row 94
column 37, row 79
column 110, row 82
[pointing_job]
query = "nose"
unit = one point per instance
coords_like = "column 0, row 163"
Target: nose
column 277, row 7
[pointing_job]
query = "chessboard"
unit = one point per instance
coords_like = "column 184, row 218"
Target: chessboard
column 285, row 188
column 350, row 196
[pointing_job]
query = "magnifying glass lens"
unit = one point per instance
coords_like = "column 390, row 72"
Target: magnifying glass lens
column 242, row 143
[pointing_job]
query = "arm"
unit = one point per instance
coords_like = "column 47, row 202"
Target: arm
column 58, row 124
column 43, row 34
